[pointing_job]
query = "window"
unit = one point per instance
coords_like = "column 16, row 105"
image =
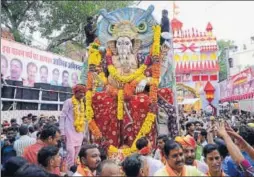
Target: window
column 213, row 77
column 230, row 62
column 196, row 78
column 204, row 78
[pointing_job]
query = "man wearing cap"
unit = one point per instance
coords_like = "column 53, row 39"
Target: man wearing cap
column 71, row 130
column 189, row 147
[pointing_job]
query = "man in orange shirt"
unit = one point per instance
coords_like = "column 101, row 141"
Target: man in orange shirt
column 50, row 135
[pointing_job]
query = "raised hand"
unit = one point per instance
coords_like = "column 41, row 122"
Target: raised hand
column 141, row 86
column 221, row 130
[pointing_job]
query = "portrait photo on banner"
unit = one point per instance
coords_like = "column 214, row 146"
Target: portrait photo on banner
column 30, row 65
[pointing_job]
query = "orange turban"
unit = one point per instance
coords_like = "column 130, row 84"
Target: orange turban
column 78, row 88
column 186, row 141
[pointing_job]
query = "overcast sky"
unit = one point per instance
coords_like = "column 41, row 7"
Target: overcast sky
column 232, row 20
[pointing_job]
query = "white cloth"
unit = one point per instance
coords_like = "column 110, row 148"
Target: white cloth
column 233, row 120
column 157, row 154
column 154, row 165
column 204, row 143
column 34, row 135
column 22, row 143
column 77, row 174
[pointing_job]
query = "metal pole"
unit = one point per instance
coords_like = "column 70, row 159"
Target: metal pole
column 14, row 103
column 58, row 99
column 226, row 50
column 174, row 80
column 40, row 95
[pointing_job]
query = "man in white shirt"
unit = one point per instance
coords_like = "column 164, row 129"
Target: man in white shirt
column 23, row 141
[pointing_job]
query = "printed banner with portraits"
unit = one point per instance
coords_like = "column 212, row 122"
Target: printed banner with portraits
column 30, row 65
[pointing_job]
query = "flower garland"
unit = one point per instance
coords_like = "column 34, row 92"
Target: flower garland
column 120, row 97
column 145, row 129
column 103, row 78
column 156, row 65
column 89, row 83
column 156, row 40
column 89, row 109
column 125, row 79
column 154, row 82
column 95, row 129
column 79, row 114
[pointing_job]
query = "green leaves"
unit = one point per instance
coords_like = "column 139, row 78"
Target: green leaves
column 223, row 46
column 58, row 21
column 68, row 18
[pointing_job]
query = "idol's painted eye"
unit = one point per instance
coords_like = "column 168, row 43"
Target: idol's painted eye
column 111, row 28
column 142, row 27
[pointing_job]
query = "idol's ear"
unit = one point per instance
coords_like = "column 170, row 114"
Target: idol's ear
column 144, row 16
column 108, row 17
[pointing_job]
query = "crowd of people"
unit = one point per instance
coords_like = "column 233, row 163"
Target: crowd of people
column 206, row 147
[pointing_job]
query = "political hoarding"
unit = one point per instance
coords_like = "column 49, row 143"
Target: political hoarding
column 30, row 65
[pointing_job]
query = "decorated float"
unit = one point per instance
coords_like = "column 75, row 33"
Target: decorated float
column 196, row 67
column 128, row 81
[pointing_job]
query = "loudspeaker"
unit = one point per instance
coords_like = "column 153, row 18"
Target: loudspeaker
column 8, row 92
column 19, row 90
column 68, row 95
column 27, row 93
column 63, row 95
column 53, row 94
column 7, row 105
column 44, row 106
column 29, row 106
column 45, row 94
column 52, row 107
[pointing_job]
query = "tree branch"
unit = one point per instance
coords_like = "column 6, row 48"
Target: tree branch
column 22, row 15
column 61, row 39
column 8, row 13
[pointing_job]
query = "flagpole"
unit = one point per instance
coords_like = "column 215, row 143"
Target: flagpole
column 173, row 73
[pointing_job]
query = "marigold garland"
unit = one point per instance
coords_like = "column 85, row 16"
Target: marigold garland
column 79, row 114
column 156, row 40
column 120, row 103
column 154, row 82
column 89, row 109
column 125, row 79
column 145, row 129
column 103, row 78
column 95, row 129
column 89, row 83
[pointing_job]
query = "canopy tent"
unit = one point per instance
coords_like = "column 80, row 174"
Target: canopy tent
column 189, row 101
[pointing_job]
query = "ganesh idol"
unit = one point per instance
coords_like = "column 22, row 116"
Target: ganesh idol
column 129, row 83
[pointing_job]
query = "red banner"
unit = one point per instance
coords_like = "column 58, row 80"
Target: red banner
column 239, row 86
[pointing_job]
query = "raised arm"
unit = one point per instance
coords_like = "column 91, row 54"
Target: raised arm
column 233, row 150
